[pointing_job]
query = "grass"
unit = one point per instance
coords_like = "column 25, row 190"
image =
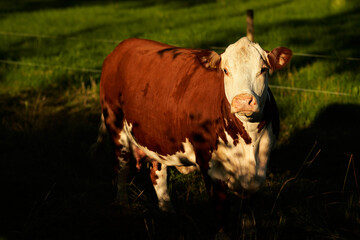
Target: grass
column 55, row 187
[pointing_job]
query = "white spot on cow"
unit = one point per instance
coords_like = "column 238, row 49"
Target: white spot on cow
column 186, row 169
column 226, row 122
column 243, row 165
column 161, row 190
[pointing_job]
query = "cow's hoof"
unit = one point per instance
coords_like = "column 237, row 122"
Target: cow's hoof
column 166, row 206
column 221, row 235
column 121, row 204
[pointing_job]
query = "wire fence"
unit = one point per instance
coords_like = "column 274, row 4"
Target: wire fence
column 32, row 64
column 44, row 36
column 93, row 70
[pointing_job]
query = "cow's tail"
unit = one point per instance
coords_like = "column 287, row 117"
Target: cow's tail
column 102, row 135
column 102, row 130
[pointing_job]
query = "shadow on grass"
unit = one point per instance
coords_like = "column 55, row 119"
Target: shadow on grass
column 323, row 200
column 54, row 185
column 333, row 35
column 35, row 5
column 45, row 162
column 8, row 7
column 335, row 131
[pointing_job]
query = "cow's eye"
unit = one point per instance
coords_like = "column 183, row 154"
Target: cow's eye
column 263, row 70
column 226, row 71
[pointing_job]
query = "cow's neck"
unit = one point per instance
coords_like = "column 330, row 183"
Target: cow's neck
column 253, row 130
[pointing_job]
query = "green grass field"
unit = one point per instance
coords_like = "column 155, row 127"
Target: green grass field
column 54, row 186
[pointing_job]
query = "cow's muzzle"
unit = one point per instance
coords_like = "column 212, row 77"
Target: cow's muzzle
column 244, row 104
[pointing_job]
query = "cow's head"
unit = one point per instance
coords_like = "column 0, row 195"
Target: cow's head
column 246, row 69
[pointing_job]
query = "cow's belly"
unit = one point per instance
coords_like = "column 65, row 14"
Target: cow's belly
column 180, row 159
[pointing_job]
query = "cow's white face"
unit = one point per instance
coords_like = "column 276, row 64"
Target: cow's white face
column 246, row 78
column 246, row 70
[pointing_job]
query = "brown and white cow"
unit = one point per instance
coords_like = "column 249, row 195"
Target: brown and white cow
column 193, row 109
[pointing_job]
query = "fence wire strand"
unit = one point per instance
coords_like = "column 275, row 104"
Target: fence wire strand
column 30, row 35
column 32, row 64
column 309, row 90
column 92, row 70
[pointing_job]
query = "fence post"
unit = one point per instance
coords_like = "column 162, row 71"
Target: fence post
column 250, row 24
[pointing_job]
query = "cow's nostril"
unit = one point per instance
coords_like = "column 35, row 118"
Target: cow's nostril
column 252, row 101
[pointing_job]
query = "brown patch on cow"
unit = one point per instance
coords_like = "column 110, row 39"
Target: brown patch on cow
column 155, row 166
column 261, row 125
column 139, row 156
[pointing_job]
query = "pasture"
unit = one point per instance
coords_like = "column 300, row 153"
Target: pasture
column 56, row 185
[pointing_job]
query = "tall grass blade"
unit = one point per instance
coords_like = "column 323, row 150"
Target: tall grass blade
column 347, row 172
column 356, row 182
column 306, row 163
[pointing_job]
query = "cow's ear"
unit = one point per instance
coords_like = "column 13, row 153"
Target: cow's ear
column 278, row 58
column 209, row 59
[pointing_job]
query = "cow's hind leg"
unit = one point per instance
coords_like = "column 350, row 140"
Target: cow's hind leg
column 123, row 157
column 158, row 175
column 114, row 123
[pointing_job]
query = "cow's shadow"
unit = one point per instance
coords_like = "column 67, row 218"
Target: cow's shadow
column 335, row 133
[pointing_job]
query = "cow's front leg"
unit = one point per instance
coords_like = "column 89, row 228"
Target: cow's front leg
column 221, row 204
column 158, row 175
column 217, row 190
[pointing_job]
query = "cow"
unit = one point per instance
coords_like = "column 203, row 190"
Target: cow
column 193, row 109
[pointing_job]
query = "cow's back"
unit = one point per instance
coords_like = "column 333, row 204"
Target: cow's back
column 164, row 92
